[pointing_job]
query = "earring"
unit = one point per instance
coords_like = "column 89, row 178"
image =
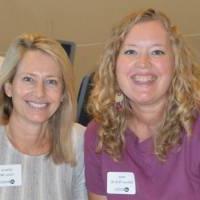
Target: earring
column 119, row 98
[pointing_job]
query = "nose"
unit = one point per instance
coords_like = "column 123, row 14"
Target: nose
column 143, row 60
column 39, row 89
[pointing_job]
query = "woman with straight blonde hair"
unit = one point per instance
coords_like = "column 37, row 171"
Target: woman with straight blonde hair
column 41, row 148
column 144, row 140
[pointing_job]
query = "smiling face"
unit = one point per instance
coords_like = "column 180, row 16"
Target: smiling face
column 145, row 64
column 36, row 89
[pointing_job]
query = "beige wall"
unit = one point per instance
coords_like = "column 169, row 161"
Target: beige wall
column 87, row 22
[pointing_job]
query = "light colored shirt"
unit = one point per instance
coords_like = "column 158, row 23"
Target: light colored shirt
column 41, row 178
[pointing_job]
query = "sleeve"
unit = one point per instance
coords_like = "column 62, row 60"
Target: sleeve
column 93, row 164
column 192, row 149
column 78, row 179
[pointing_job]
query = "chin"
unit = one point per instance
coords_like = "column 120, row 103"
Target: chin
column 145, row 102
column 38, row 120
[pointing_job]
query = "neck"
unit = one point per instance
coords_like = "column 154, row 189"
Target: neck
column 147, row 120
column 28, row 139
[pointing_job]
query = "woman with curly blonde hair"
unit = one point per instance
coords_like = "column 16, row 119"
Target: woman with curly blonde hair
column 144, row 139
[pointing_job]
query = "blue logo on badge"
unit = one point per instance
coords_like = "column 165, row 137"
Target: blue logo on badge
column 126, row 189
column 12, row 181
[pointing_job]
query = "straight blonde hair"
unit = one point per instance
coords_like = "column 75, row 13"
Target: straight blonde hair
column 60, row 124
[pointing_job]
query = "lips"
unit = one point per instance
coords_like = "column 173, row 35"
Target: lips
column 37, row 105
column 143, row 79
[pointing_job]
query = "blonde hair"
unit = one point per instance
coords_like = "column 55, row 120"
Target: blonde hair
column 60, row 124
column 184, row 92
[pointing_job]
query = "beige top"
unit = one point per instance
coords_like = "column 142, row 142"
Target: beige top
column 41, row 178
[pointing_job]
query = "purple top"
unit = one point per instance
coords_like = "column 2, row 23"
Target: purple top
column 176, row 179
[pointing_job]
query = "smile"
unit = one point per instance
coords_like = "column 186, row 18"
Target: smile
column 37, row 105
column 144, row 78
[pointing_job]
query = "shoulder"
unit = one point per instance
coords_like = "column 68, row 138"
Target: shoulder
column 78, row 135
column 193, row 141
column 192, row 145
column 93, row 161
column 2, row 132
column 78, row 129
column 196, row 130
column 2, row 129
column 92, row 128
column 197, row 122
column 91, row 133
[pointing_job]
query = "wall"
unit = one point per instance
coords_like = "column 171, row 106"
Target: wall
column 87, row 22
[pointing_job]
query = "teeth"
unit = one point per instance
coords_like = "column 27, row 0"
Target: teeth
column 142, row 78
column 37, row 105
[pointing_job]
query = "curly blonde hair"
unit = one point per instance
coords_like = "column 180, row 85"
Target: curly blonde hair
column 184, row 92
column 60, row 124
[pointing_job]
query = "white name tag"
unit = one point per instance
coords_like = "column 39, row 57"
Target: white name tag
column 121, row 183
column 10, row 175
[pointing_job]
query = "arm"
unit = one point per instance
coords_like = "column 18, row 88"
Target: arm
column 93, row 165
column 78, row 181
column 93, row 196
column 193, row 149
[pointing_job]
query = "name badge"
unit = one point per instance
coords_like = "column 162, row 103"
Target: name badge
column 121, row 183
column 10, row 175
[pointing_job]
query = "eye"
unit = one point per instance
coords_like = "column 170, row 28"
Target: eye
column 27, row 79
column 158, row 52
column 130, row 52
column 52, row 82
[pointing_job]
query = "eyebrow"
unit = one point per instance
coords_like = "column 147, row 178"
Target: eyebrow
column 153, row 45
column 34, row 75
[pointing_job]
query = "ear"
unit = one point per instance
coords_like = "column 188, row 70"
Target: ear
column 8, row 89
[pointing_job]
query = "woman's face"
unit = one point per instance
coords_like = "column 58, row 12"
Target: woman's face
column 36, row 90
column 145, row 64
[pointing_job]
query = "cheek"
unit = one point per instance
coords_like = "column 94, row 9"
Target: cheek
column 122, row 66
column 166, row 66
column 21, row 90
column 56, row 95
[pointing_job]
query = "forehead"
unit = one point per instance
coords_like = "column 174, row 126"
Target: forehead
column 149, row 30
column 36, row 61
